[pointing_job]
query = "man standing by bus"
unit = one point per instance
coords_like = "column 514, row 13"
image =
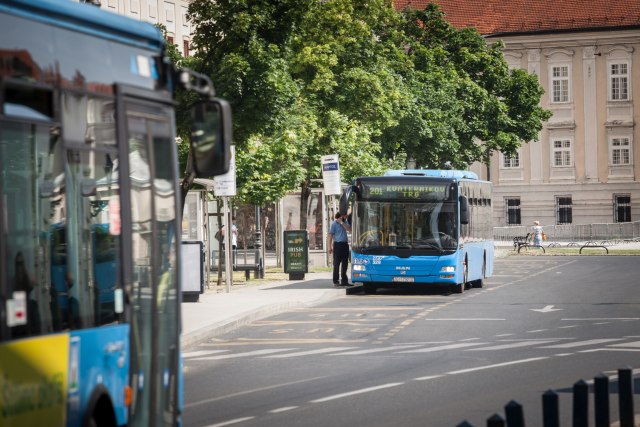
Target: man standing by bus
column 339, row 246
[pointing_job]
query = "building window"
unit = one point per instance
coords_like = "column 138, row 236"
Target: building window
column 620, row 151
column 513, row 211
column 619, row 81
column 562, row 152
column 185, row 48
column 564, row 213
column 560, row 83
column 622, row 208
column 170, row 39
column 511, row 161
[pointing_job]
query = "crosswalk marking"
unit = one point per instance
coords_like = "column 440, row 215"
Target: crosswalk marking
column 309, row 352
column 444, row 347
column 582, row 343
column 512, row 345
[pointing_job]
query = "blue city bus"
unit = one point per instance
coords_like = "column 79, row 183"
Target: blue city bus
column 413, row 227
column 89, row 208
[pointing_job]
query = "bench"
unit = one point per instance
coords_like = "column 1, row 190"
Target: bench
column 520, row 242
column 242, row 260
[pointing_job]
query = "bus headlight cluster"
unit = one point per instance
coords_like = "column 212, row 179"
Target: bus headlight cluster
column 359, row 267
column 447, row 272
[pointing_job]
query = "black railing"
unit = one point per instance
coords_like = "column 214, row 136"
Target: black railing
column 514, row 412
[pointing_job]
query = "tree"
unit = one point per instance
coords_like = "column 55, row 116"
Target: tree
column 468, row 103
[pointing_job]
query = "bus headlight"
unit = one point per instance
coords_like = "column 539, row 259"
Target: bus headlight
column 447, row 272
column 359, row 267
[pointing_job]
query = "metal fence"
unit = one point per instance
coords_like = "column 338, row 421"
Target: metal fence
column 619, row 231
column 601, row 390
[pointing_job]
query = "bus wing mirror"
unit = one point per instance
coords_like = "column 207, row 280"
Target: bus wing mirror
column 345, row 198
column 211, row 137
column 464, row 210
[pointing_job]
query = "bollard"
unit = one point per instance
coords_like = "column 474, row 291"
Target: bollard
column 465, row 423
column 601, row 400
column 581, row 404
column 625, row 396
column 515, row 414
column 495, row 421
column 550, row 409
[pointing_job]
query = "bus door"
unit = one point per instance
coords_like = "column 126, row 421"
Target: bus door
column 150, row 221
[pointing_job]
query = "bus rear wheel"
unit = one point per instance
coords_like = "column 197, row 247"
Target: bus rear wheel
column 480, row 282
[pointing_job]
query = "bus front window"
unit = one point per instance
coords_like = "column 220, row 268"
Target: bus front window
column 387, row 226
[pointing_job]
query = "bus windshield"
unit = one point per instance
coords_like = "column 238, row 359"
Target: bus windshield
column 421, row 227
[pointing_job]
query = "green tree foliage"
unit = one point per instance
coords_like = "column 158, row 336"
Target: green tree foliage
column 307, row 78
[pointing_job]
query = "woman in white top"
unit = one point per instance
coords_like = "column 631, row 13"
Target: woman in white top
column 536, row 232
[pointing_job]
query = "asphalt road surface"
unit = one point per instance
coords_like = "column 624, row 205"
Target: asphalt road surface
column 403, row 358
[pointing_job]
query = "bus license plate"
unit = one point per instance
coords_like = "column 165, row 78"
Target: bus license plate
column 407, row 279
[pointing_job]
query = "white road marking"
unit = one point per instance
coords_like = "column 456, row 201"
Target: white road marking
column 463, row 319
column 599, row 318
column 355, row 392
column 285, row 409
column 511, row 345
column 198, row 353
column 497, row 365
column 245, row 354
column 374, row 350
column 231, row 422
column 430, row 377
column 309, row 352
column 626, row 344
column 582, row 343
column 444, row 347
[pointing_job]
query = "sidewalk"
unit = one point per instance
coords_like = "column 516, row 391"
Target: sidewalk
column 217, row 313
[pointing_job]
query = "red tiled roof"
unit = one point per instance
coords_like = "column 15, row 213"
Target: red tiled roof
column 522, row 16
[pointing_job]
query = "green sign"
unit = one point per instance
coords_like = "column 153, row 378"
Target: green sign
column 296, row 251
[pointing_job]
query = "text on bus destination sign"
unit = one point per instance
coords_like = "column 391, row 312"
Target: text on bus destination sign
column 405, row 191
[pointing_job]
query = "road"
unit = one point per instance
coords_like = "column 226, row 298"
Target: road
column 426, row 359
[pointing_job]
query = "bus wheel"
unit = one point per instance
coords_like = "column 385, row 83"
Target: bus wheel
column 459, row 288
column 369, row 288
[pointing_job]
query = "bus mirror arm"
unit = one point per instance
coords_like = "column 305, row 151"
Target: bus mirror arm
column 345, row 198
column 195, row 82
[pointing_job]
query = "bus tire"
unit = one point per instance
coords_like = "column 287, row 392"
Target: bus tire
column 100, row 412
column 369, row 288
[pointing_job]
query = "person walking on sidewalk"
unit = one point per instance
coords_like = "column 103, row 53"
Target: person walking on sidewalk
column 339, row 246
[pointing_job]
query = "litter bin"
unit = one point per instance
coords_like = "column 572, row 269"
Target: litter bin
column 296, row 254
column 192, row 270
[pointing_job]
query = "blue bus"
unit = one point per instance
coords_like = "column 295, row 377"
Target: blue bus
column 414, row 227
column 89, row 208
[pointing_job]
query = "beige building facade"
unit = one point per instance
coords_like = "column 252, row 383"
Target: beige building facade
column 583, row 167
column 170, row 13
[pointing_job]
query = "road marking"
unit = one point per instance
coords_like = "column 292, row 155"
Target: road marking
column 582, row 343
column 627, row 344
column 285, row 409
column 511, row 345
column 309, row 352
column 536, row 330
column 546, row 309
column 201, row 353
column 374, row 350
column 430, row 377
column 231, row 422
column 497, row 365
column 245, row 354
column 599, row 318
column 568, row 326
column 463, row 319
column 443, row 347
column 355, row 392
column 242, row 393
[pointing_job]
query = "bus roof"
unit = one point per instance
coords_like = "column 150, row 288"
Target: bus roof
column 88, row 19
column 433, row 173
